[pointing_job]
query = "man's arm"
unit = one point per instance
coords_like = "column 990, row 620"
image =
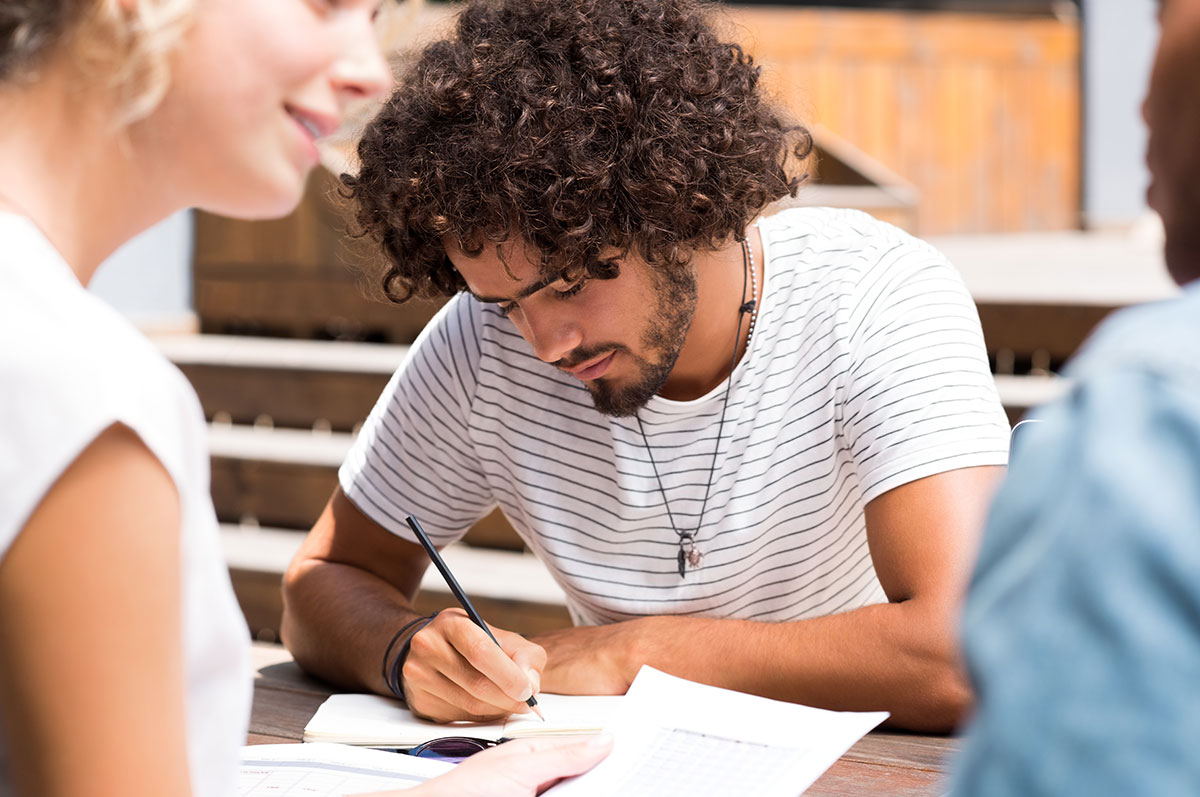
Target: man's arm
column 901, row 656
column 349, row 590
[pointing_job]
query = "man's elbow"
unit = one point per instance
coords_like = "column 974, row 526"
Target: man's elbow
column 941, row 701
column 296, row 579
column 949, row 702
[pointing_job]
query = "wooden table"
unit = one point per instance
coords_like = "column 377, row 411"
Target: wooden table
column 883, row 763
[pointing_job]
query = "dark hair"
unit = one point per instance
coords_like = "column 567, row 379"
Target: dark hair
column 28, row 28
column 576, row 126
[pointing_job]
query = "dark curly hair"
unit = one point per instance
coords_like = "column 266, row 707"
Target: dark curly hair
column 577, row 126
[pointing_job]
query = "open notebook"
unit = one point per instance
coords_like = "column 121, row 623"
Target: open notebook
column 376, row 721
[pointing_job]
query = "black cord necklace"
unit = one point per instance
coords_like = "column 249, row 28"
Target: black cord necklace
column 689, row 555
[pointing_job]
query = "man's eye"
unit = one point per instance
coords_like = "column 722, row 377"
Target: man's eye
column 569, row 291
column 506, row 308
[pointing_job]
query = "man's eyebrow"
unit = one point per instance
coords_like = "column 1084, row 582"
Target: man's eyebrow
column 527, row 291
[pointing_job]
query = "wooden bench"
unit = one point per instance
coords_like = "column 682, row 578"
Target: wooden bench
column 511, row 589
column 292, row 383
column 1040, row 295
column 284, row 477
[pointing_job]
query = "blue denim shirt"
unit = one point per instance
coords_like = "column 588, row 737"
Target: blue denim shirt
column 1082, row 629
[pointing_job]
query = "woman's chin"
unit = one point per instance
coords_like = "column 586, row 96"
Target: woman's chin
column 266, row 200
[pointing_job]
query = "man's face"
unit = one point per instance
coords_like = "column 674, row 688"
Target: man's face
column 1172, row 112
column 620, row 337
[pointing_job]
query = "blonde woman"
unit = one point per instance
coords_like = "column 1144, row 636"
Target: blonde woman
column 123, row 658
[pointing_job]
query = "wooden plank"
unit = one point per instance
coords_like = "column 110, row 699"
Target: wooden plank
column 281, row 713
column 284, row 478
column 1051, row 332
column 902, row 749
column 308, row 239
column 1019, row 394
column 920, row 92
column 855, row 778
column 244, row 351
column 294, row 398
column 288, row 302
column 260, row 598
column 284, row 494
column 293, row 494
column 511, row 591
column 262, row 738
column 261, row 602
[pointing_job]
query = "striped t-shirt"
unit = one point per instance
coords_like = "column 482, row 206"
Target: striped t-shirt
column 866, row 370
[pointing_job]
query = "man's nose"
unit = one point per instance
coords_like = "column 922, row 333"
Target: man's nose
column 552, row 335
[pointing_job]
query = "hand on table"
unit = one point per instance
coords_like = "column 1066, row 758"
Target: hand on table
column 515, row 769
column 454, row 671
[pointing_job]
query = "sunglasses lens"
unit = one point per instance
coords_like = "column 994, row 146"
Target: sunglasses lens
column 452, row 748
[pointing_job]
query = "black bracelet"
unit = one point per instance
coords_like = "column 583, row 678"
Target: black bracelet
column 392, row 644
column 395, row 681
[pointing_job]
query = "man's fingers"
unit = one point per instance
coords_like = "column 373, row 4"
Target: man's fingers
column 433, row 705
column 436, row 668
column 456, row 662
column 530, row 657
column 505, row 666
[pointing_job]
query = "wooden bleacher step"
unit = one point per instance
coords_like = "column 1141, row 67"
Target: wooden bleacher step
column 296, row 383
column 510, row 588
column 284, row 477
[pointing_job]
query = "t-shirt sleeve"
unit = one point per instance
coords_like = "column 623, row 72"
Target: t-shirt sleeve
column 45, row 429
column 918, row 395
column 414, row 455
column 67, row 391
column 1082, row 627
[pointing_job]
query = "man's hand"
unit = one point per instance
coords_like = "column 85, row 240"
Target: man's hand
column 594, row 660
column 454, row 671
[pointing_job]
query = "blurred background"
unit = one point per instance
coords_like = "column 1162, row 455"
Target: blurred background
column 1006, row 132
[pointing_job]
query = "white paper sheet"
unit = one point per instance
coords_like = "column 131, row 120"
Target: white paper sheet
column 328, row 770
column 675, row 737
column 384, row 722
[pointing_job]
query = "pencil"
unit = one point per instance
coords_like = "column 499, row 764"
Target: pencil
column 459, row 595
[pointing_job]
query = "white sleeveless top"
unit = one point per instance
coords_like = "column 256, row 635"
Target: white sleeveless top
column 70, row 367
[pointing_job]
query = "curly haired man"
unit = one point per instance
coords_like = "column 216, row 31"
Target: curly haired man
column 753, row 451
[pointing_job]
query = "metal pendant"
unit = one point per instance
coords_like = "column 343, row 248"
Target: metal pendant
column 687, row 557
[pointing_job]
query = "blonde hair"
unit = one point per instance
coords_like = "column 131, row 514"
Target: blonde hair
column 128, row 42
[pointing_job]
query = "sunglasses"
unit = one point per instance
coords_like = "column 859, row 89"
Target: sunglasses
column 453, row 749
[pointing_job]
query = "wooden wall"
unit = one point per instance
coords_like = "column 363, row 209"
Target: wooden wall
column 980, row 113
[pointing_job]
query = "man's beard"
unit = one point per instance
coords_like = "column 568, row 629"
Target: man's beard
column 675, row 292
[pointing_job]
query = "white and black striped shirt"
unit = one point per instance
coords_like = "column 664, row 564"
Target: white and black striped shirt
column 866, row 371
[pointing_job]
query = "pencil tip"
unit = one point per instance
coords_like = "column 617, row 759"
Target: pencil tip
column 533, row 707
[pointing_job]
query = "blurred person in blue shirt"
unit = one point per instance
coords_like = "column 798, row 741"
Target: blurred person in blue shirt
column 1082, row 629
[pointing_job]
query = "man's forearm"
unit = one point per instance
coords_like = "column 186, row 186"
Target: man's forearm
column 338, row 620
column 898, row 657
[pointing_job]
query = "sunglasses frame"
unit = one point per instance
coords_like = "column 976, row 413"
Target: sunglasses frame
column 428, row 749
